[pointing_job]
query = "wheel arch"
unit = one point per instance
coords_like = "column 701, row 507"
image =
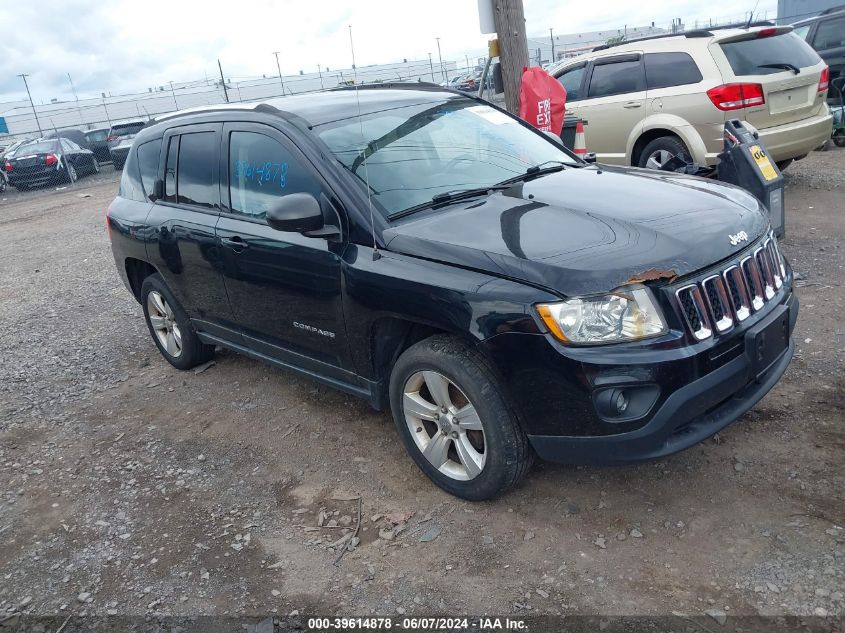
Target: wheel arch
column 669, row 125
column 137, row 270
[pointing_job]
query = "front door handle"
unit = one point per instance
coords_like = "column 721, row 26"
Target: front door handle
column 633, row 104
column 236, row 243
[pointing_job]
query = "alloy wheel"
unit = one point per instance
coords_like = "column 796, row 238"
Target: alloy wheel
column 657, row 159
column 163, row 322
column 445, row 425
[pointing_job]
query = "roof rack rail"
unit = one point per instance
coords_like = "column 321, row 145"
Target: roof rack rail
column 841, row 7
column 691, row 34
column 388, row 85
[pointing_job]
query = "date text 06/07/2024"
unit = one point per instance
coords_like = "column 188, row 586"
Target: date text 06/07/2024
column 416, row 624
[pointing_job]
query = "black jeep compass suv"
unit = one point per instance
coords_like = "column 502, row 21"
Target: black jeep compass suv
column 435, row 255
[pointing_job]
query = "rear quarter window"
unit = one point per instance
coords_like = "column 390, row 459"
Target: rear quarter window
column 747, row 57
column 148, row 157
column 130, row 180
column 663, row 70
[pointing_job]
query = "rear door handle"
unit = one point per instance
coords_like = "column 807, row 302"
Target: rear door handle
column 633, row 104
column 236, row 243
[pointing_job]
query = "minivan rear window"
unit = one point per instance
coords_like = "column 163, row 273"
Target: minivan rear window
column 750, row 57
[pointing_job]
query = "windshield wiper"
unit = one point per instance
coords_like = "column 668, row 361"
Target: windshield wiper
column 782, row 65
column 535, row 171
column 450, row 196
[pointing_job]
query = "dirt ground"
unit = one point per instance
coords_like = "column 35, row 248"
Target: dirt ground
column 130, row 488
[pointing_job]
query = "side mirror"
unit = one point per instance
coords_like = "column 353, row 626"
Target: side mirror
column 158, row 190
column 295, row 213
column 554, row 137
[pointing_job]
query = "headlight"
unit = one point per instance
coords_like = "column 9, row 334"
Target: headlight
column 626, row 314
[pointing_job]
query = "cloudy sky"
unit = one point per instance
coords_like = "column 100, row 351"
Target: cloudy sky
column 121, row 46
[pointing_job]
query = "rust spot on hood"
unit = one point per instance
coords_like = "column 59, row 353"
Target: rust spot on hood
column 652, row 274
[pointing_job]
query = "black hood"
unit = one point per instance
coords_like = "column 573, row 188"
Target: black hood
column 588, row 230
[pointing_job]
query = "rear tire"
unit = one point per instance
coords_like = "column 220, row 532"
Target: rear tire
column 463, row 421
column 170, row 326
column 839, row 139
column 658, row 151
column 95, row 165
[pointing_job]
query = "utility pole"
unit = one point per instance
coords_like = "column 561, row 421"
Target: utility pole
column 552, row 38
column 172, row 92
column 281, row 81
column 431, row 65
column 76, row 97
column 105, row 107
column 320, row 70
column 509, row 18
column 37, row 122
column 442, row 71
column 466, row 57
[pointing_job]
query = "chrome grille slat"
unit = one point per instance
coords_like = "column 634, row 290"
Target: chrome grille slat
column 738, row 292
column 715, row 304
column 717, row 301
column 695, row 313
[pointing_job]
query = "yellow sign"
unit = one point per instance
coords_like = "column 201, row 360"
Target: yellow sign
column 763, row 163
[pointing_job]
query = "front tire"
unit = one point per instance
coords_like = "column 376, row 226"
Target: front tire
column 170, row 326
column 453, row 415
column 660, row 150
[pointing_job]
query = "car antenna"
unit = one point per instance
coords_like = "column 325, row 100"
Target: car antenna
column 376, row 254
column 751, row 15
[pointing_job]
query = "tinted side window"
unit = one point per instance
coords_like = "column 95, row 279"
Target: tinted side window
column 830, row 34
column 260, row 170
column 663, row 70
column 130, row 181
column 571, row 80
column 616, row 78
column 196, row 173
column 170, row 170
column 148, row 155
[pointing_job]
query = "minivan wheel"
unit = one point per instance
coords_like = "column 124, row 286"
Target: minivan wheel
column 452, row 413
column 660, row 150
column 170, row 326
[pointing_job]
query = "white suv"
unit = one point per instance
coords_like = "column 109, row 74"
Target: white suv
column 649, row 98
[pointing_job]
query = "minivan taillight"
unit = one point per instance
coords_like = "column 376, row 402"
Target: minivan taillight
column 824, row 80
column 8, row 166
column 111, row 137
column 736, row 96
column 51, row 159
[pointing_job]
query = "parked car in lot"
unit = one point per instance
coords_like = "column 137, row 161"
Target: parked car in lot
column 48, row 161
column 120, row 140
column 76, row 136
column 98, row 143
column 435, row 255
column 826, row 34
column 652, row 98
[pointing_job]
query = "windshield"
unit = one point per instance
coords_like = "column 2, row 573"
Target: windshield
column 126, row 129
column 41, row 147
column 96, row 135
column 410, row 154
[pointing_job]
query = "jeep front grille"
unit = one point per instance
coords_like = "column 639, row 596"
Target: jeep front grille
column 725, row 298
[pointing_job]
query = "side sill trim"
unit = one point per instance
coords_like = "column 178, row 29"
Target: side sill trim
column 369, row 390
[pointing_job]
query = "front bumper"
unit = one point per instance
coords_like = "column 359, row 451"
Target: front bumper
column 701, row 391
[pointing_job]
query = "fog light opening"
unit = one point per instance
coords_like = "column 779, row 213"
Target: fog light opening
column 620, row 401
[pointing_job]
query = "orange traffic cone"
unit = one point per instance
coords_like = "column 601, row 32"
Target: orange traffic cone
column 580, row 145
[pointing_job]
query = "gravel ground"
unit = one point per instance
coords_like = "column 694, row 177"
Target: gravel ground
column 128, row 488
